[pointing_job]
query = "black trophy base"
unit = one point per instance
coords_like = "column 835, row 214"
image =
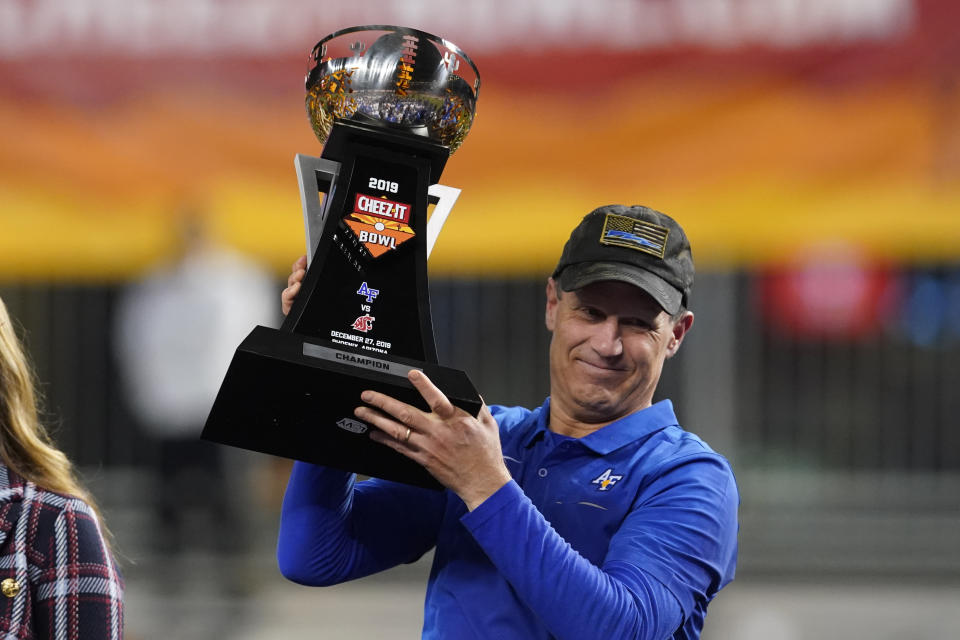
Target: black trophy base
column 293, row 398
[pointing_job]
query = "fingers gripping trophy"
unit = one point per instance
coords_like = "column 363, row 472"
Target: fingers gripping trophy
column 390, row 104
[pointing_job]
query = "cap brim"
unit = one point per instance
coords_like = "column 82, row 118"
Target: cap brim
column 576, row 276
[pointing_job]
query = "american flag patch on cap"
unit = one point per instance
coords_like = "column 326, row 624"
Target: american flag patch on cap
column 624, row 231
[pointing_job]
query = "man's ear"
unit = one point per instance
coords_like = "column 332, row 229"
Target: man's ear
column 553, row 301
column 680, row 328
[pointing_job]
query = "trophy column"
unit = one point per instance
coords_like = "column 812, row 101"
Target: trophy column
column 366, row 284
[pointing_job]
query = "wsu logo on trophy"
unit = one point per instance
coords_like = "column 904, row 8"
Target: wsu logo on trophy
column 390, row 104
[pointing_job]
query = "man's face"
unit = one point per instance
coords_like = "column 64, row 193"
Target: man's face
column 610, row 340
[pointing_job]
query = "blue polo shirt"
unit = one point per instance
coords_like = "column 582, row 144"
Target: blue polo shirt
column 628, row 532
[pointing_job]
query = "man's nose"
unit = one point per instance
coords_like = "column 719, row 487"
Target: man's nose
column 606, row 339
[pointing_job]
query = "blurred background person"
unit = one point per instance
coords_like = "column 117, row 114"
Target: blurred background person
column 58, row 577
column 176, row 332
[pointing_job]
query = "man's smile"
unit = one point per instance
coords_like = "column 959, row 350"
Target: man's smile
column 600, row 367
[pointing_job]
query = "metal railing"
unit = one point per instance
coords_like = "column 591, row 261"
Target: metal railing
column 847, row 453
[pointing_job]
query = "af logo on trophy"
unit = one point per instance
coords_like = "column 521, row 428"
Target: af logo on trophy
column 390, row 105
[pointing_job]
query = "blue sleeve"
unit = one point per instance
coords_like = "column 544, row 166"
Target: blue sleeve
column 334, row 529
column 633, row 594
column 684, row 532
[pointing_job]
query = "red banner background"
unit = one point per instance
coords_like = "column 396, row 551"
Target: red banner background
column 764, row 127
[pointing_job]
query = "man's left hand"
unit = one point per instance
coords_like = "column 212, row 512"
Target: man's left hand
column 462, row 452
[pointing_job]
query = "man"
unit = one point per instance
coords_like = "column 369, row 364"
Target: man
column 593, row 516
column 175, row 332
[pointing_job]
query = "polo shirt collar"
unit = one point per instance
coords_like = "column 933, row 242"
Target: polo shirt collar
column 616, row 434
column 540, row 426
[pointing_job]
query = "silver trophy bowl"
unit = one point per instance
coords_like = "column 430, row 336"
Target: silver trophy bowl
column 396, row 77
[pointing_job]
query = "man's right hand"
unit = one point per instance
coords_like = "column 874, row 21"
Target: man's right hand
column 298, row 271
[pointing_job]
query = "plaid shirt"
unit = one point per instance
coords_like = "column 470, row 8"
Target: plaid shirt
column 57, row 578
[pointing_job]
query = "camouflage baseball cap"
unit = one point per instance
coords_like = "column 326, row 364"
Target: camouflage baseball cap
column 636, row 245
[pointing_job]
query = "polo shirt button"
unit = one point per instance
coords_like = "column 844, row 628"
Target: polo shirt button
column 542, row 472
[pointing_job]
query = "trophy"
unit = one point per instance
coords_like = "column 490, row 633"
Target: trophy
column 390, row 105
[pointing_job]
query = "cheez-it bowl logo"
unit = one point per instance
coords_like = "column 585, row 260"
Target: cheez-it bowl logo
column 380, row 224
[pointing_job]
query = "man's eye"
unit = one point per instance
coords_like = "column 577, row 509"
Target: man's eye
column 635, row 323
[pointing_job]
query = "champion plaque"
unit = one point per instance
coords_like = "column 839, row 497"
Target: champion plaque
column 390, row 105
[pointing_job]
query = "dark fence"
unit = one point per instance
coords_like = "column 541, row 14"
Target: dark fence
column 845, row 450
column 881, row 403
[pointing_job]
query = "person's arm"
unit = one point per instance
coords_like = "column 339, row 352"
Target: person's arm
column 671, row 551
column 78, row 592
column 636, row 592
column 334, row 529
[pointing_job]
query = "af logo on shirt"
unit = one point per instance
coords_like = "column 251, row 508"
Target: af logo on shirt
column 606, row 480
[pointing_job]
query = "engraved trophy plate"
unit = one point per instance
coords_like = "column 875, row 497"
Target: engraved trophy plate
column 390, row 104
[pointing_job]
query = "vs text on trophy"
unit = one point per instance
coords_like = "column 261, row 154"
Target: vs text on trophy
column 390, row 105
